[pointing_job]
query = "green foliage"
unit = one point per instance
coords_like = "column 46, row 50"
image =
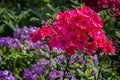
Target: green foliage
column 10, row 20
column 15, row 14
column 17, row 60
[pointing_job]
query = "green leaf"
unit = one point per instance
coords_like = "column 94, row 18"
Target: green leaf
column 77, row 65
column 88, row 72
column 80, row 72
column 23, row 14
column 51, row 7
column 34, row 19
column 117, row 33
column 11, row 16
column 91, row 78
column 53, row 63
column 90, row 60
column 96, row 71
column 36, row 13
column 47, row 1
column 11, row 25
column 2, row 28
column 2, row 10
column 75, row 2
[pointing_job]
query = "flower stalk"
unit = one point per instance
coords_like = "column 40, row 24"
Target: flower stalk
column 68, row 61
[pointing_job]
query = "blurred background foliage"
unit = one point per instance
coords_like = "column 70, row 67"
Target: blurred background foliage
column 18, row 13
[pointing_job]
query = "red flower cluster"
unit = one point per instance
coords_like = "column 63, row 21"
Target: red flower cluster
column 79, row 29
column 99, row 5
column 41, row 34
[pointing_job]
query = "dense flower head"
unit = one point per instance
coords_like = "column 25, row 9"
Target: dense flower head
column 38, row 46
column 42, row 33
column 99, row 5
column 24, row 33
column 6, row 75
column 79, row 29
column 9, row 42
column 55, row 74
column 36, row 70
column 76, row 58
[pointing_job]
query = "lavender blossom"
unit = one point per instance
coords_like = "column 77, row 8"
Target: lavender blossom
column 6, row 75
column 55, row 74
column 5, row 41
column 36, row 70
column 37, row 46
column 9, row 42
column 24, row 33
column 96, row 61
column 57, row 51
column 15, row 43
column 59, row 59
column 76, row 58
column 0, row 58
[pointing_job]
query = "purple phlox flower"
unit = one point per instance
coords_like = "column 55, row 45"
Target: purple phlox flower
column 55, row 74
column 60, row 59
column 48, row 23
column 96, row 61
column 38, row 46
column 77, row 58
column 71, row 76
column 15, row 43
column 28, row 75
column 36, row 70
column 9, row 42
column 1, row 58
column 57, row 51
column 93, row 72
column 6, row 75
column 72, row 59
column 5, row 41
column 24, row 33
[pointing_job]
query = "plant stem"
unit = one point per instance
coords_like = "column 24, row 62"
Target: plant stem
column 85, row 66
column 84, row 63
column 99, row 72
column 68, row 60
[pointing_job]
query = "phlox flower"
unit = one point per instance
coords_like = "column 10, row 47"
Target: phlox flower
column 79, row 29
column 41, row 34
column 109, row 48
column 45, row 31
